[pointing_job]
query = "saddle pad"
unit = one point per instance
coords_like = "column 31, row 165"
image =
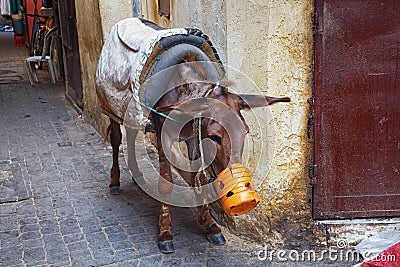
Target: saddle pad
column 128, row 58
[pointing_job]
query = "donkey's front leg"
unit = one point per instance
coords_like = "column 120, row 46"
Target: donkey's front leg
column 115, row 139
column 213, row 232
column 165, row 187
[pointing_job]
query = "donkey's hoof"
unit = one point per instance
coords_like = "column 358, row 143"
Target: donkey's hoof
column 217, row 239
column 114, row 190
column 166, row 247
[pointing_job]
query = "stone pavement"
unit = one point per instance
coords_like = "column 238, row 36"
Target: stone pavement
column 55, row 206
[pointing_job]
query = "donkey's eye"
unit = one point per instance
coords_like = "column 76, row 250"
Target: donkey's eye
column 215, row 138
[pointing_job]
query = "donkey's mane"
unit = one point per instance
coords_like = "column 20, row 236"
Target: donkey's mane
column 199, row 68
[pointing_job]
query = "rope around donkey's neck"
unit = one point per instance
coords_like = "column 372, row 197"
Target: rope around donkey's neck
column 197, row 129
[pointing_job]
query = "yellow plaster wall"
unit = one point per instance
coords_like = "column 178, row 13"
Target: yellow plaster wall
column 90, row 38
column 94, row 21
column 113, row 11
column 193, row 14
column 271, row 42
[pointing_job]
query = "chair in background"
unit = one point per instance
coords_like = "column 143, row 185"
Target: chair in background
column 47, row 56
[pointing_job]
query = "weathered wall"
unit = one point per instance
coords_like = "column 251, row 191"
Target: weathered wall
column 94, row 21
column 90, row 37
column 113, row 11
column 271, row 43
column 193, row 14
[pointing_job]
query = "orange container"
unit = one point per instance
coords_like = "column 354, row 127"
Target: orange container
column 236, row 190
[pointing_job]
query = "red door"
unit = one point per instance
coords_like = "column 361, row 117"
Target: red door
column 357, row 109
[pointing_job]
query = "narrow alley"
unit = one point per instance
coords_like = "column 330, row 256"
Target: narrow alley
column 55, row 206
column 56, row 209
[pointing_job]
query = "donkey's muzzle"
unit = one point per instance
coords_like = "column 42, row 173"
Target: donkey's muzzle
column 236, row 190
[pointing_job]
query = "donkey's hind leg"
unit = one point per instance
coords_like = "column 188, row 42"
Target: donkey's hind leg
column 165, row 187
column 212, row 230
column 115, row 138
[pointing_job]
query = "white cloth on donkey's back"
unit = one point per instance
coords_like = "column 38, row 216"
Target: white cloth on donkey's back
column 121, row 62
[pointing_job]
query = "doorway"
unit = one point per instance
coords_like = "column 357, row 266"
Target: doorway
column 356, row 109
column 70, row 44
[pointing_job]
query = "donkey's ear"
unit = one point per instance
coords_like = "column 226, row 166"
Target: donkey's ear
column 255, row 101
column 129, row 31
column 185, row 110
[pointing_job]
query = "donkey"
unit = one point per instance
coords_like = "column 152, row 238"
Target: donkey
column 229, row 147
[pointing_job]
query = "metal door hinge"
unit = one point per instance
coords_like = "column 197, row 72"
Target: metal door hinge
column 312, row 171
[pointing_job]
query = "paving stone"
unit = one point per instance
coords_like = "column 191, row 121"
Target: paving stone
column 128, row 263
column 8, row 223
column 30, row 235
column 114, row 230
column 7, row 209
column 32, row 255
column 109, row 222
column 71, row 230
column 9, row 234
column 118, row 237
column 140, row 238
column 58, row 258
column 82, row 255
column 95, row 228
column 29, row 227
column 28, row 220
column 172, row 262
column 73, row 238
column 32, row 243
column 103, row 256
column 134, row 230
column 150, row 261
column 12, row 254
column 77, row 245
column 122, row 245
column 11, row 242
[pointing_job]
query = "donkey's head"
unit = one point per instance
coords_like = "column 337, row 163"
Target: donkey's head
column 221, row 120
column 195, row 96
column 226, row 126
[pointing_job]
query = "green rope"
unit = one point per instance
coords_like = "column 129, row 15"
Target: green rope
column 145, row 105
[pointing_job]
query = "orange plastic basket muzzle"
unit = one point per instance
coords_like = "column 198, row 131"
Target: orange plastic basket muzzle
column 236, row 190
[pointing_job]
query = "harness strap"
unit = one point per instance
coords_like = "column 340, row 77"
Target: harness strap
column 197, row 127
